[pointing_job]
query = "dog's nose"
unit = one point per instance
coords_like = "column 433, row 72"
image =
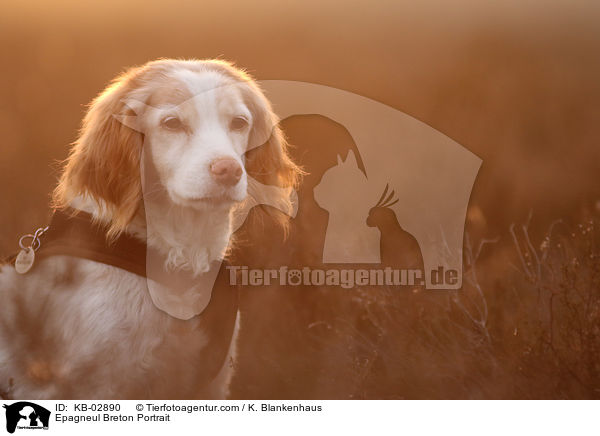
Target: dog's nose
column 226, row 171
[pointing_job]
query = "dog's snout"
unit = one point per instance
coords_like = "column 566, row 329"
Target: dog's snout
column 226, row 171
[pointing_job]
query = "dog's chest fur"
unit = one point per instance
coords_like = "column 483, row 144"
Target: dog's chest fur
column 73, row 328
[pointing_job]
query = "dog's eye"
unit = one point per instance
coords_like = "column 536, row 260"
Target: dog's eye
column 238, row 123
column 172, row 123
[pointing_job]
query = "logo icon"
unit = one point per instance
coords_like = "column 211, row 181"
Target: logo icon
column 26, row 415
column 401, row 194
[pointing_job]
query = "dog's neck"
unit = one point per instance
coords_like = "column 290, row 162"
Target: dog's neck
column 188, row 238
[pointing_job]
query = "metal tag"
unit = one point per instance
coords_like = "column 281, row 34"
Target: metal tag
column 25, row 260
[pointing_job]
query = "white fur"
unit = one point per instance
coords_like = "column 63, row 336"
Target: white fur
column 101, row 337
column 183, row 158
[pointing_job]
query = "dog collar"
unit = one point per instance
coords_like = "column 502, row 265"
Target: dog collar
column 74, row 233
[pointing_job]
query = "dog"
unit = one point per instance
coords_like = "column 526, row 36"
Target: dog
column 167, row 155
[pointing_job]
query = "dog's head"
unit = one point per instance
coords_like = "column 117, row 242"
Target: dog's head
column 205, row 125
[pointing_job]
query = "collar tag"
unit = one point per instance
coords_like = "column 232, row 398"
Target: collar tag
column 25, row 260
column 26, row 256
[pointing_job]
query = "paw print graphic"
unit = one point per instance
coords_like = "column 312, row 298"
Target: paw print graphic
column 294, row 277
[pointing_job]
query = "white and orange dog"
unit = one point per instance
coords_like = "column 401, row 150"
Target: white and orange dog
column 75, row 327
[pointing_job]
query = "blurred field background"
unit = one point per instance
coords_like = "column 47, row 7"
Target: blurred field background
column 515, row 82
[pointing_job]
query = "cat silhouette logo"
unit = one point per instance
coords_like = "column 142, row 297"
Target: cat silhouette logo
column 404, row 171
column 26, row 415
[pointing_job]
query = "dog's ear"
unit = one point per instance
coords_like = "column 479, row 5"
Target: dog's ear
column 104, row 162
column 267, row 159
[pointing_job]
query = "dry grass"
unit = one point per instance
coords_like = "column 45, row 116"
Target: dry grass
column 531, row 330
